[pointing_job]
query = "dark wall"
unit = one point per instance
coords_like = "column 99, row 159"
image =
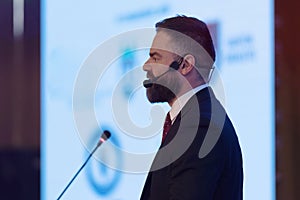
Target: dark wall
column 20, row 103
column 287, row 53
column 19, row 174
column 19, row 78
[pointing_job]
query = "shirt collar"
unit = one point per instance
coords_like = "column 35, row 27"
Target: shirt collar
column 182, row 100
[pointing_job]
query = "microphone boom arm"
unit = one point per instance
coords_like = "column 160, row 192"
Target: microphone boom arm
column 104, row 137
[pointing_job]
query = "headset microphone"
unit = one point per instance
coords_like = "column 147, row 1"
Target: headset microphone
column 148, row 83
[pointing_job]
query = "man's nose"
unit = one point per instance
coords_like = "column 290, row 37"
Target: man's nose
column 147, row 66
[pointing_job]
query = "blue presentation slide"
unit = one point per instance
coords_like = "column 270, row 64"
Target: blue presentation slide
column 92, row 57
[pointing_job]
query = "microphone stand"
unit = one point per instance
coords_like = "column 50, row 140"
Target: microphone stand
column 98, row 144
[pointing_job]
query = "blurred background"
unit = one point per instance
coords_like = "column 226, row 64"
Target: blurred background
column 20, row 102
column 20, row 99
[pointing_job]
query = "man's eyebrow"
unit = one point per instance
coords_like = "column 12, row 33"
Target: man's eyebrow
column 151, row 54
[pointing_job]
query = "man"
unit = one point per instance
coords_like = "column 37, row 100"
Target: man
column 200, row 156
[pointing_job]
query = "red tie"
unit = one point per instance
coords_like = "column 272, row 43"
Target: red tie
column 167, row 126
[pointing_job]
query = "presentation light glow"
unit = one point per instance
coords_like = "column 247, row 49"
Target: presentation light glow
column 103, row 41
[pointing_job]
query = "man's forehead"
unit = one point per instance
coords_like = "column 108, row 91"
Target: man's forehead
column 162, row 41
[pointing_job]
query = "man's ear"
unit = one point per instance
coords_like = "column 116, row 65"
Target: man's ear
column 188, row 64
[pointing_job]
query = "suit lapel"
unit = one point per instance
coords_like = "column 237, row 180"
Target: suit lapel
column 192, row 103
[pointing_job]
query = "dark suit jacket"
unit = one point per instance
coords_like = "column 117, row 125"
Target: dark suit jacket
column 200, row 158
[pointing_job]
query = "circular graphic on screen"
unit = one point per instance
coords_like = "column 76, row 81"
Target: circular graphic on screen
column 102, row 178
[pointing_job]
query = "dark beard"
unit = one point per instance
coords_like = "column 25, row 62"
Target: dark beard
column 158, row 94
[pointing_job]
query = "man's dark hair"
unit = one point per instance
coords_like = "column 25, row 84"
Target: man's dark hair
column 193, row 28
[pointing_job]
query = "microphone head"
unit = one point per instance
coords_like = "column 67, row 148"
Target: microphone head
column 106, row 134
column 147, row 83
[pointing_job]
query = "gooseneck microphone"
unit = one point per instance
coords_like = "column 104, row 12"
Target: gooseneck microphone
column 105, row 136
column 174, row 65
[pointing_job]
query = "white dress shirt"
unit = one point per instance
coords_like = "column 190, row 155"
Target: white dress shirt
column 182, row 100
